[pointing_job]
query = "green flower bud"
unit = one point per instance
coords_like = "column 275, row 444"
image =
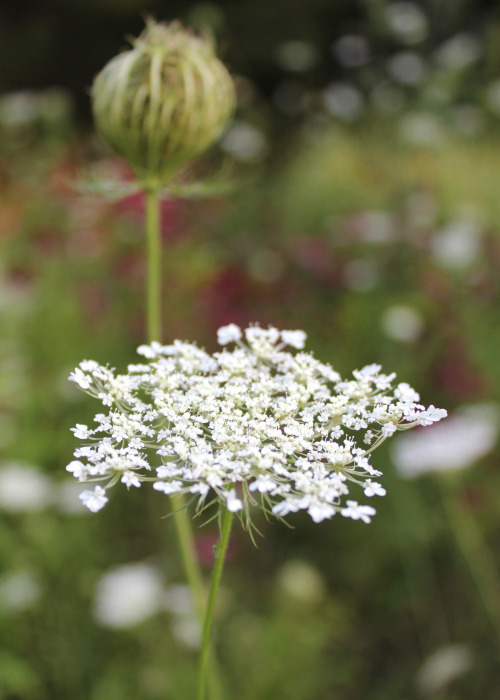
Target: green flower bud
column 164, row 102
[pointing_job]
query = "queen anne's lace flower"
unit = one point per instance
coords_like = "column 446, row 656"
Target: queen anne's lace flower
column 253, row 426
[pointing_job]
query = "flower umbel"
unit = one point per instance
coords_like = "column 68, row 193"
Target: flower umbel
column 253, row 426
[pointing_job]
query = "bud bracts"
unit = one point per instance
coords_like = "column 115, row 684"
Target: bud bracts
column 164, row 102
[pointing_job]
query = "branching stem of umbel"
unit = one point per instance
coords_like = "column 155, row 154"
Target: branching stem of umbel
column 182, row 523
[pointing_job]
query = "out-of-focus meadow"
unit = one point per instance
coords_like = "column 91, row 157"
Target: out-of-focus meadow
column 366, row 211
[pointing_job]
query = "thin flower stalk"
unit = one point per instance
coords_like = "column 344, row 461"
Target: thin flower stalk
column 153, row 276
column 220, row 556
column 476, row 553
column 183, row 526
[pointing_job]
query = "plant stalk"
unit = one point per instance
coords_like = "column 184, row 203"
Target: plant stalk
column 153, row 278
column 477, row 554
column 153, row 323
column 220, row 555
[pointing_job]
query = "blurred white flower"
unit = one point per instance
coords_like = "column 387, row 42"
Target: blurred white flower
column 422, row 129
column 178, row 599
column 244, row 141
column 458, row 244
column 22, row 109
column 55, row 106
column 185, row 627
column 19, row 109
column 24, row 488
column 67, row 498
column 19, row 590
column 407, row 21
column 343, row 100
column 297, row 56
column 464, row 438
column 442, row 667
column 402, row 323
column 407, row 67
column 187, row 631
column 300, row 580
column 128, row 595
column 375, row 226
column 459, row 51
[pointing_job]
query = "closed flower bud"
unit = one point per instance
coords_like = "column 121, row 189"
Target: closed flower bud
column 164, row 102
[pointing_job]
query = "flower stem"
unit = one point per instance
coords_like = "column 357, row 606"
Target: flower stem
column 153, row 281
column 186, row 545
column 477, row 554
column 153, row 323
column 220, row 555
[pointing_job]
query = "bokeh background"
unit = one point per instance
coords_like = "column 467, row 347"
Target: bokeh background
column 366, row 210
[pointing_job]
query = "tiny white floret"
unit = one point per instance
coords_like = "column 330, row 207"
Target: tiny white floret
column 357, row 512
column 130, row 479
column 229, row 334
column 371, row 488
column 94, row 500
column 233, row 503
column 89, row 365
column 78, row 469
column 146, row 351
column 431, row 415
column 295, row 339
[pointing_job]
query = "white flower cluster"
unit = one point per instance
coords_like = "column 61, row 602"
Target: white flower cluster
column 256, row 425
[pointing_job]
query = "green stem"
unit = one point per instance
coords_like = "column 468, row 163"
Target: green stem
column 477, row 554
column 153, row 322
column 193, row 576
column 153, row 281
column 188, row 552
column 220, row 555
